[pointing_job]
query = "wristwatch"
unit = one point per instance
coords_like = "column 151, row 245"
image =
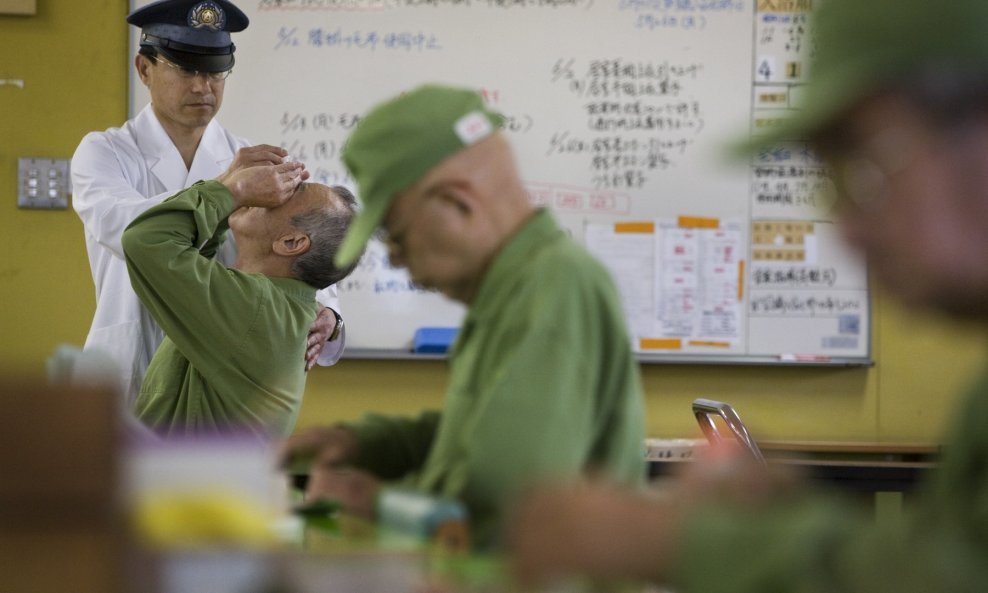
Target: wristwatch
column 338, row 329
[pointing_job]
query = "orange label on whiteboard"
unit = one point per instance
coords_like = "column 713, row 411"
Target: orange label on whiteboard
column 634, row 227
column 740, row 280
column 710, row 343
column 660, row 343
column 698, row 222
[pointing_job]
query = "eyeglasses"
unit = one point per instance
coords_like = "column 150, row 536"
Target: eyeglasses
column 394, row 239
column 863, row 174
column 861, row 180
column 188, row 74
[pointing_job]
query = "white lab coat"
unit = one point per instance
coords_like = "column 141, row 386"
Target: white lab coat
column 116, row 175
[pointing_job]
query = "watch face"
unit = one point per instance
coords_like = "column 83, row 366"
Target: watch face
column 338, row 328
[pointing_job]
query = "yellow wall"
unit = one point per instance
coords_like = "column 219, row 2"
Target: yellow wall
column 73, row 59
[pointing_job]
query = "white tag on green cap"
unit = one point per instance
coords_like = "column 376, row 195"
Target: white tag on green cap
column 472, row 127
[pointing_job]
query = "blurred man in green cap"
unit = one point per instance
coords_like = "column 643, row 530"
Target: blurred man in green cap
column 897, row 106
column 543, row 381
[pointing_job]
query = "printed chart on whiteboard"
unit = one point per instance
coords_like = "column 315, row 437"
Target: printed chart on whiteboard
column 778, row 283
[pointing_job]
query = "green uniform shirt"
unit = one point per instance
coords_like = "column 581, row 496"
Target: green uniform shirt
column 823, row 545
column 543, row 383
column 234, row 352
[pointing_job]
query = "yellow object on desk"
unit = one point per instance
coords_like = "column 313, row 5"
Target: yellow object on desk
column 201, row 519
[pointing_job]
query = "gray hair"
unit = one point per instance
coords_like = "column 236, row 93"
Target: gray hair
column 326, row 228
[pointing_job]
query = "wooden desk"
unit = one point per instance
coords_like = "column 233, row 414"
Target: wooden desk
column 862, row 468
column 857, row 467
column 891, row 451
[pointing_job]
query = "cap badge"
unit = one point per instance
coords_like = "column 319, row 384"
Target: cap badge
column 207, row 14
column 472, row 127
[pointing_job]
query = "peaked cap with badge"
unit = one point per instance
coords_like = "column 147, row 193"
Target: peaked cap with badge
column 194, row 34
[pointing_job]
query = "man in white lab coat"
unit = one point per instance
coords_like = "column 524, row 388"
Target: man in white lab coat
column 185, row 56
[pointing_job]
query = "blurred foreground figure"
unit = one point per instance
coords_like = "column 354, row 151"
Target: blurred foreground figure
column 898, row 108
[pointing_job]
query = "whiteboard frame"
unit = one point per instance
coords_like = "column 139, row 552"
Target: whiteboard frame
column 646, row 358
column 137, row 94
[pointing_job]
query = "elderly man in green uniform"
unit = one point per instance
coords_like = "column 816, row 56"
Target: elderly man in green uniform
column 542, row 378
column 233, row 354
column 898, row 107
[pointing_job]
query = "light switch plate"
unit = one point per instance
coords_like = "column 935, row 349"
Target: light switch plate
column 43, row 183
column 18, row 6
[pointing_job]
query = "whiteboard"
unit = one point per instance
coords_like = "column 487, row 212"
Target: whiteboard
column 618, row 111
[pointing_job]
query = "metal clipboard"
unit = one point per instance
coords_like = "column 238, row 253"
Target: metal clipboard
column 705, row 409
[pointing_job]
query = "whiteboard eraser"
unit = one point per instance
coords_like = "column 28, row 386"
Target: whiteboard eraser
column 434, row 340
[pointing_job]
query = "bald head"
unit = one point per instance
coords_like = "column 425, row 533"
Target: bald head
column 487, row 169
column 447, row 227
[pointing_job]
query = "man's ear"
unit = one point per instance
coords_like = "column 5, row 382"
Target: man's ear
column 142, row 64
column 292, row 244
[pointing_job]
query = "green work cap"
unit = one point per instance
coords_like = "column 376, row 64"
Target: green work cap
column 862, row 45
column 400, row 141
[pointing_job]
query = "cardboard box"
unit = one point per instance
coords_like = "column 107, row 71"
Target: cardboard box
column 60, row 524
